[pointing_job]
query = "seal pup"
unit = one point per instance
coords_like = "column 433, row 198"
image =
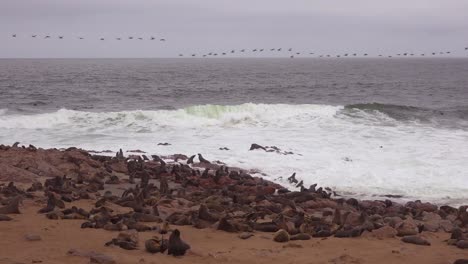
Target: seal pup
column 202, row 160
column 176, row 246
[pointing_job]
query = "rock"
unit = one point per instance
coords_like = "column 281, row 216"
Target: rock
column 446, row 226
column 245, row 235
column 393, row 221
column 407, row 228
column 33, row 237
column 463, row 244
column 384, row 232
column 300, row 236
column 457, row 234
column 155, row 245
column 256, row 146
column 419, row 206
column 415, row 240
column 94, row 256
column 129, row 235
column 281, row 236
column 431, row 221
column 101, row 259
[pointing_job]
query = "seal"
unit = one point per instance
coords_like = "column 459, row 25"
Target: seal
column 176, row 246
column 202, row 160
column 190, row 160
column 292, row 179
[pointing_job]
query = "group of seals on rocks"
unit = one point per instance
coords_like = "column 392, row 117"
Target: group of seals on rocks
column 176, row 192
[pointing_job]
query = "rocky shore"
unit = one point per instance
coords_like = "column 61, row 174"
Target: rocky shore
column 69, row 206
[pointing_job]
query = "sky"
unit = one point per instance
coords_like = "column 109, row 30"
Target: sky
column 202, row 26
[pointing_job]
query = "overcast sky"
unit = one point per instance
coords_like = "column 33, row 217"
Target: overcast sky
column 319, row 26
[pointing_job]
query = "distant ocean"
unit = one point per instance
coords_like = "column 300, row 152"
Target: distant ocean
column 367, row 127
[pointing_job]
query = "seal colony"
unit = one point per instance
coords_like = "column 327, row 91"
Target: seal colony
column 130, row 197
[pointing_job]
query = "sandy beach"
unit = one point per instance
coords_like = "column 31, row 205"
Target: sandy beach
column 61, row 240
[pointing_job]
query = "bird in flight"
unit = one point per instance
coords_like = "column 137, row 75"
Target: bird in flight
column 14, row 35
column 162, row 39
column 102, row 38
column 34, row 36
column 60, row 37
column 119, row 39
column 47, row 37
column 153, row 38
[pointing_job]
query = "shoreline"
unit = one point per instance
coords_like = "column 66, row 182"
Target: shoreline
column 102, row 197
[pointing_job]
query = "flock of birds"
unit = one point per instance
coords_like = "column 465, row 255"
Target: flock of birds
column 82, row 38
column 290, row 51
column 293, row 53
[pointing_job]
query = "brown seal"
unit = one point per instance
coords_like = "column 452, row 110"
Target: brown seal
column 202, row 160
column 176, row 246
column 190, row 160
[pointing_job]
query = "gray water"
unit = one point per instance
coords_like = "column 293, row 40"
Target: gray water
column 362, row 126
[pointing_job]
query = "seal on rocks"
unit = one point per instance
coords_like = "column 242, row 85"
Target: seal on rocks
column 202, row 160
column 176, row 246
column 292, row 179
column 190, row 160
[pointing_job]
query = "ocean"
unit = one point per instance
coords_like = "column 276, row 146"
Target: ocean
column 364, row 127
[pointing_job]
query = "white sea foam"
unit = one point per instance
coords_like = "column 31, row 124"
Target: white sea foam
column 352, row 151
